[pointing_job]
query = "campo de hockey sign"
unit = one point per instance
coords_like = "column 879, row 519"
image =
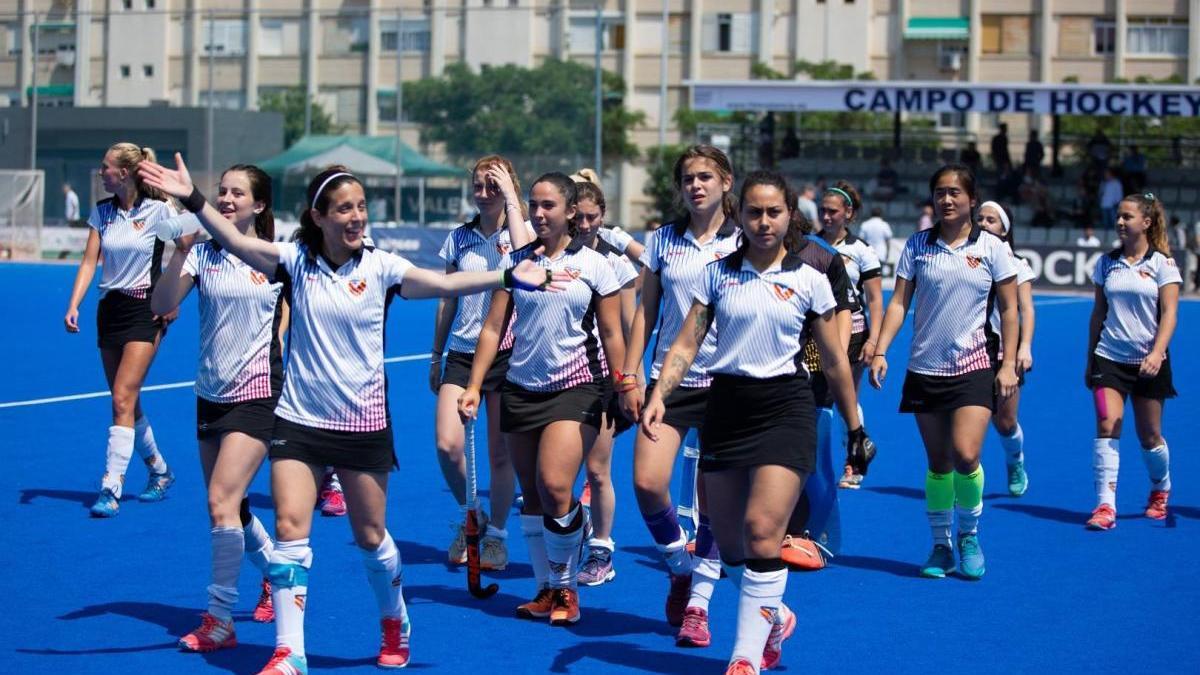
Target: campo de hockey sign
column 936, row 97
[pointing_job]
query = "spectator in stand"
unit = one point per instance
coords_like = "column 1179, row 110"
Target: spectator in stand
column 1194, row 257
column 808, row 205
column 971, row 157
column 1099, row 149
column 1034, row 154
column 70, row 206
column 887, row 181
column 1134, row 168
column 1111, row 192
column 1080, row 210
column 925, row 222
column 877, row 233
column 1000, row 157
column 1089, row 238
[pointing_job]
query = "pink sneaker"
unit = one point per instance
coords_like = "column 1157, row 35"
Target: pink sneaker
column 213, row 634
column 781, row 630
column 694, row 632
column 677, row 598
column 264, row 611
column 740, row 667
column 1156, row 506
column 393, row 648
column 1103, row 518
column 333, row 502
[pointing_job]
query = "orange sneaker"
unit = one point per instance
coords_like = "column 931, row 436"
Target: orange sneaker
column 1103, row 518
column 393, row 646
column 264, row 611
column 539, row 607
column 565, row 610
column 1156, row 506
column 213, row 634
column 283, row 662
column 802, row 553
column 741, row 667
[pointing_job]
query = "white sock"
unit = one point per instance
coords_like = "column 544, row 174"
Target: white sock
column 146, row 448
column 331, row 478
column 1014, row 446
column 679, row 561
column 968, row 519
column 531, row 529
column 1158, row 464
column 288, row 572
column 227, row 546
column 862, row 419
column 258, row 544
column 940, row 524
column 493, row 531
column 563, row 536
column 120, row 450
column 705, row 575
column 386, row 578
column 1106, row 461
column 734, row 574
column 602, row 543
column 758, row 607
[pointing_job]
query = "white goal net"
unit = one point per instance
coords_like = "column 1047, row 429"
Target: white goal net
column 22, row 195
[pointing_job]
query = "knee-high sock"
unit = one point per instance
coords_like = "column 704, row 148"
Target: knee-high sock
column 258, row 542
column 120, row 450
column 1014, row 445
column 146, row 447
column 1106, row 461
column 759, row 604
column 939, row 505
column 671, row 540
column 968, row 493
column 707, row 569
column 563, row 537
column 1158, row 464
column 227, row 546
column 535, row 541
column 386, row 578
column 288, row 572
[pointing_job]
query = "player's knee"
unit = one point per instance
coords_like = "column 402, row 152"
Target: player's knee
column 761, row 531
column 1151, row 438
column 1005, row 423
column 290, row 526
column 124, row 401
column 449, row 448
column 370, row 537
column 224, row 510
column 598, row 476
column 1108, row 427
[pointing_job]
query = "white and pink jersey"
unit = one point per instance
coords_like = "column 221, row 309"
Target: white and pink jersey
column 556, row 345
column 239, row 327
column 334, row 377
column 129, row 245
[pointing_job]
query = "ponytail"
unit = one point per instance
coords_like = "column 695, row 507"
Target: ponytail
column 1152, row 207
column 128, row 156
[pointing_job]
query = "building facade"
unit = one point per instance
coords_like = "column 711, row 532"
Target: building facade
column 350, row 54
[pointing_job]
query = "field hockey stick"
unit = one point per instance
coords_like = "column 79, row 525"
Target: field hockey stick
column 472, row 525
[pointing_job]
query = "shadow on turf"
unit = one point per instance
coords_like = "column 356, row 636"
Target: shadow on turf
column 633, row 656
column 84, row 499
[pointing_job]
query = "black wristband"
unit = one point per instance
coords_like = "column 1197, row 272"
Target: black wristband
column 508, row 279
column 193, row 202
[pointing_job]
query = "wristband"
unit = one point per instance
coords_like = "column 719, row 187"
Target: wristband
column 511, row 281
column 193, row 202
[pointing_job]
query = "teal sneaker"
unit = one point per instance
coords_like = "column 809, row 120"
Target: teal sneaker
column 156, row 486
column 107, row 505
column 970, row 557
column 284, row 662
column 940, row 563
column 1018, row 480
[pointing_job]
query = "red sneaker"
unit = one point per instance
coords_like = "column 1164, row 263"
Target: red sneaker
column 694, row 632
column 264, row 611
column 393, row 647
column 677, row 598
column 213, row 634
column 781, row 630
column 740, row 667
column 1156, row 507
column 1103, row 518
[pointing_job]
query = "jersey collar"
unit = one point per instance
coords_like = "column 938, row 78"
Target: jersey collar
column 932, row 238
column 1118, row 255
column 680, row 227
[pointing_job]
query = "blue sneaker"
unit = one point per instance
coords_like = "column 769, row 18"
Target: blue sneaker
column 106, row 506
column 284, row 662
column 1018, row 480
column 940, row 562
column 970, row 557
column 156, row 486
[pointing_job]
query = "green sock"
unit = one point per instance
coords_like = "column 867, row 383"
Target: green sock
column 939, row 505
column 968, row 489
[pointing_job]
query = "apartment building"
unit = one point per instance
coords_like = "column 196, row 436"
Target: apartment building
column 350, row 53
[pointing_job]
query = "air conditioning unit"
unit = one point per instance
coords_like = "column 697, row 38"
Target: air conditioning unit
column 950, row 61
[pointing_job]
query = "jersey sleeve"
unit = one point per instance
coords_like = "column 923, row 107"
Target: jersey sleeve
column 1168, row 272
column 618, row 238
column 704, row 290
column 449, row 252
column 623, row 270
column 1002, row 260
column 392, row 269
column 603, row 281
column 839, row 284
column 191, row 264
column 1025, row 273
column 821, row 296
column 650, row 257
column 904, row 267
column 1100, row 271
column 290, row 255
column 869, row 266
column 95, row 220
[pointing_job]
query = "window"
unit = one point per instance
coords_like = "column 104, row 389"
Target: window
column 127, row 4
column 1157, row 37
column 345, row 104
column 346, row 35
column 1075, row 36
column 279, row 37
column 125, row 72
column 225, row 37
column 230, row 100
column 729, row 33
column 385, row 100
column 989, row 34
column 582, row 33
column 413, row 35
column 149, row 4
column 12, row 38
column 1104, row 37
column 148, row 70
column 1004, row 34
column 952, row 120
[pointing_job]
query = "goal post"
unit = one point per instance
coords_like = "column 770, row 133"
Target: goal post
column 22, row 198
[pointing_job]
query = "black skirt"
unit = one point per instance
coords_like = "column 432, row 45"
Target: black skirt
column 122, row 318
column 855, row 352
column 685, row 407
column 754, row 422
column 1126, row 378
column 931, row 393
column 614, row 416
column 255, row 418
column 458, row 370
column 370, row 451
column 524, row 410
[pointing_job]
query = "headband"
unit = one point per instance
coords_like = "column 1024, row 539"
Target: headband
column 317, row 194
column 1003, row 216
column 845, row 195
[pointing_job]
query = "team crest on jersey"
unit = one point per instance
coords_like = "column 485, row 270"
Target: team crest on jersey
column 258, row 278
column 1170, row 262
column 357, row 286
column 138, row 225
column 783, row 292
column 1146, row 274
column 573, row 271
column 974, row 261
column 503, row 248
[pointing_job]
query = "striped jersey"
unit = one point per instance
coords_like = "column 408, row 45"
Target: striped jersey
column 239, row 327
column 334, row 377
column 557, row 345
column 762, row 315
column 621, row 266
column 469, row 250
column 129, row 245
column 862, row 264
column 679, row 260
column 1131, row 289
column 1025, row 275
column 617, row 238
column 953, row 293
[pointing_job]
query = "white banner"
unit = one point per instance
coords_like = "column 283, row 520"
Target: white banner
column 935, row 97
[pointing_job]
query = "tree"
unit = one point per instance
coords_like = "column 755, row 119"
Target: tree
column 660, row 185
column 522, row 111
column 290, row 102
column 1156, row 136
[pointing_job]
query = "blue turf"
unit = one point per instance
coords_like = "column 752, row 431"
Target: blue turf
column 86, row 596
